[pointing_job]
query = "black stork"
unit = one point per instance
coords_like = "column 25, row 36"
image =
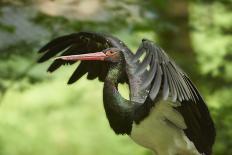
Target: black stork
column 165, row 112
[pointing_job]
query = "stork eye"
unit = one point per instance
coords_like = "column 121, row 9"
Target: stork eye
column 110, row 52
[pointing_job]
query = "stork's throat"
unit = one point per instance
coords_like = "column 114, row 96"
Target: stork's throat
column 114, row 74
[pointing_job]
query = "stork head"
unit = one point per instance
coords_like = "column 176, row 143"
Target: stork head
column 110, row 54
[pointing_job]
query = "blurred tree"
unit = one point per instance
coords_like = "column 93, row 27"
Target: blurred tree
column 196, row 33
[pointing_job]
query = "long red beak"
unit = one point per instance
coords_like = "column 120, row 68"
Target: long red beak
column 89, row 56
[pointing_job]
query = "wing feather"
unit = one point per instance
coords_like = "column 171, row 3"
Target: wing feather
column 157, row 84
column 78, row 73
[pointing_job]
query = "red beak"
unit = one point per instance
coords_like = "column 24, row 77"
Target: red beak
column 89, row 56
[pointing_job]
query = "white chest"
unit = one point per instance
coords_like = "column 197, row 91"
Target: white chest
column 162, row 132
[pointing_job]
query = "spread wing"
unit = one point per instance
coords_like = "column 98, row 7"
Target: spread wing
column 80, row 43
column 157, row 76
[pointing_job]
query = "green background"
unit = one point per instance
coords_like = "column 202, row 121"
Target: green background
column 41, row 114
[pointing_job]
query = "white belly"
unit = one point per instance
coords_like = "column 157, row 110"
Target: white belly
column 162, row 136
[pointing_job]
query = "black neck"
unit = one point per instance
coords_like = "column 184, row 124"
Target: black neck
column 119, row 111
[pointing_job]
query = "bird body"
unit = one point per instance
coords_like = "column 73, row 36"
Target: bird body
column 168, row 139
column 165, row 112
column 162, row 132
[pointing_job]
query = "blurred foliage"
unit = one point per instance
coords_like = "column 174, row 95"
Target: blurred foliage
column 40, row 114
column 6, row 28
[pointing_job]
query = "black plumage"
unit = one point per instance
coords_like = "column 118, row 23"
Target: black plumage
column 155, row 77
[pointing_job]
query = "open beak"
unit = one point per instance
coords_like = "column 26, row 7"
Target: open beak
column 89, row 56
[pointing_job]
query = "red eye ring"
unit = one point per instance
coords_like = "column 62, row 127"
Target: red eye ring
column 110, row 52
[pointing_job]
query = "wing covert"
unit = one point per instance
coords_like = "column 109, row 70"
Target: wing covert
column 157, row 75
